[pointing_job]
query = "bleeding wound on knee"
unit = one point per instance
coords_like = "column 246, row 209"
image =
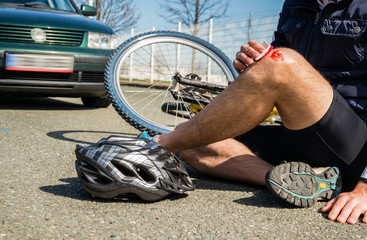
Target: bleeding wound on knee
column 276, row 54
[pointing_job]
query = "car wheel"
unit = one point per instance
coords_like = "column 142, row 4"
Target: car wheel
column 96, row 102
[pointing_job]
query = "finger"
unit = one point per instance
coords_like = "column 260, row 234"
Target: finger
column 345, row 212
column 239, row 66
column 244, row 58
column 250, row 51
column 328, row 205
column 337, row 207
column 354, row 216
column 257, row 46
column 365, row 217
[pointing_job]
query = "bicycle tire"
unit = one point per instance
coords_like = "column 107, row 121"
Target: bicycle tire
column 130, row 49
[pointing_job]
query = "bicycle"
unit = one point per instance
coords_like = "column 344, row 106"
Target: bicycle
column 157, row 80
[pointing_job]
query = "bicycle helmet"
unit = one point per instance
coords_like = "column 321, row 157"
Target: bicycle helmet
column 117, row 165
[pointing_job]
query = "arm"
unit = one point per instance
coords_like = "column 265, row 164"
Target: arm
column 349, row 206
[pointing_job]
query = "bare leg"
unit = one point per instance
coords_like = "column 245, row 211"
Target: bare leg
column 228, row 159
column 300, row 93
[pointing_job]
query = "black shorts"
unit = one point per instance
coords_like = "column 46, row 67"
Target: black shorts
column 338, row 139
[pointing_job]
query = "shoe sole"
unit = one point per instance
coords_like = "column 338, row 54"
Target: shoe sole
column 298, row 184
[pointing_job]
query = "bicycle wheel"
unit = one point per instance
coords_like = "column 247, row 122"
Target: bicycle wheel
column 139, row 75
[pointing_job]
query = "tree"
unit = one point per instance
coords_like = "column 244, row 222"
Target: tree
column 193, row 12
column 120, row 15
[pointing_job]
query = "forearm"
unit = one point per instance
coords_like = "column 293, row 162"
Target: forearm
column 361, row 187
column 362, row 183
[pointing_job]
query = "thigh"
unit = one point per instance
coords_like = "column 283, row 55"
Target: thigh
column 338, row 139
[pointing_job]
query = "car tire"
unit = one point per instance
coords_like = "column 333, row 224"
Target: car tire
column 96, row 102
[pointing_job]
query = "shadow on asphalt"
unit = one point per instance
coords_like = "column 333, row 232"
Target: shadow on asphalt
column 259, row 197
column 61, row 135
column 73, row 189
column 264, row 199
column 37, row 103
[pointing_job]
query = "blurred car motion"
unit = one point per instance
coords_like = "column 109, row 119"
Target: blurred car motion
column 51, row 48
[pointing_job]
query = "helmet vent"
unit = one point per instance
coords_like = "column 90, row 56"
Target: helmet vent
column 125, row 170
column 100, row 179
column 91, row 174
column 145, row 175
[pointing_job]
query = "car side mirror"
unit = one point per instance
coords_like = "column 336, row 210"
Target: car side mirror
column 88, row 11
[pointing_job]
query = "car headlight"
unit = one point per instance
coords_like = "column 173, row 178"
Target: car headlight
column 101, row 41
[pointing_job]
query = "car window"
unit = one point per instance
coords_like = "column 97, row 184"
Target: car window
column 64, row 5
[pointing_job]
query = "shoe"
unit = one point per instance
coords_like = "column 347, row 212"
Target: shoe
column 299, row 184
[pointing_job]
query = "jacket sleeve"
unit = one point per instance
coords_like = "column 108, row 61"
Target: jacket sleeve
column 279, row 39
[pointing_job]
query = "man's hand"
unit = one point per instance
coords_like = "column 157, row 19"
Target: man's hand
column 349, row 206
column 245, row 57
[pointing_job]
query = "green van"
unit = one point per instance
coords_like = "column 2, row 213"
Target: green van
column 51, row 48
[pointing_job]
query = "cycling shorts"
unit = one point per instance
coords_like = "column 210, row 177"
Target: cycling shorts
column 337, row 139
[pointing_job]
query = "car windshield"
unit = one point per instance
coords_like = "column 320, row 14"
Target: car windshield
column 64, row 5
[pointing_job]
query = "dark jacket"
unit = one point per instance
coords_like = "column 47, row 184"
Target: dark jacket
column 333, row 40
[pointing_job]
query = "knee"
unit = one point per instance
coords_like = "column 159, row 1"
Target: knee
column 274, row 68
column 284, row 58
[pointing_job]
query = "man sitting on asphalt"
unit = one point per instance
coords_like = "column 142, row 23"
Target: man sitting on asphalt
column 323, row 112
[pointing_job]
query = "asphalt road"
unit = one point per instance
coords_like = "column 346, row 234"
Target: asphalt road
column 41, row 198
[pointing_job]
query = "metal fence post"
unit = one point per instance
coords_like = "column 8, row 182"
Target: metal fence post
column 152, row 62
column 131, row 60
column 249, row 27
column 209, row 69
column 178, row 50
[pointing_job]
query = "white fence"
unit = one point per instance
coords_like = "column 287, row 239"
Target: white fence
column 228, row 36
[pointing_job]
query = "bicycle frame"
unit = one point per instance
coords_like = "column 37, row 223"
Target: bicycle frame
column 198, row 98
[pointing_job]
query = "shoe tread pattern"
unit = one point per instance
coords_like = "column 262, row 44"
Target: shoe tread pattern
column 290, row 183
